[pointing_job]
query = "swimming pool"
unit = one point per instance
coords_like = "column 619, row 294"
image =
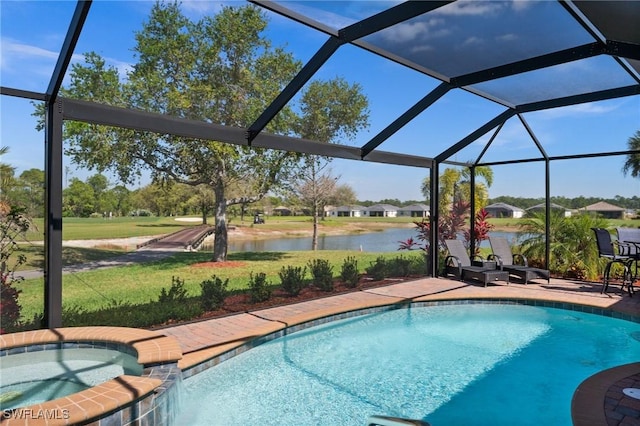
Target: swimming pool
column 480, row 364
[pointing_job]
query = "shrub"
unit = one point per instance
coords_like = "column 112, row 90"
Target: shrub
column 322, row 273
column 176, row 292
column 400, row 267
column 349, row 272
column 13, row 224
column 259, row 290
column 379, row 269
column 126, row 314
column 213, row 293
column 292, row 279
column 418, row 265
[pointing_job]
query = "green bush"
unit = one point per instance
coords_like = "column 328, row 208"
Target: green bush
column 322, row 274
column 379, row 269
column 259, row 290
column 292, row 279
column 125, row 314
column 213, row 293
column 400, row 267
column 176, row 292
column 349, row 272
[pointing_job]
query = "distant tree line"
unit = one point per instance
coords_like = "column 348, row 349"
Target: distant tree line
column 570, row 203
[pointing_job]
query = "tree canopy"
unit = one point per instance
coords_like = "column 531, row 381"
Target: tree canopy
column 219, row 69
column 632, row 164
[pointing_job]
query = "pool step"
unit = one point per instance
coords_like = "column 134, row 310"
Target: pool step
column 393, row 421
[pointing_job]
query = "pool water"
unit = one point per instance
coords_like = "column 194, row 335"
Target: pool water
column 34, row 377
column 479, row 364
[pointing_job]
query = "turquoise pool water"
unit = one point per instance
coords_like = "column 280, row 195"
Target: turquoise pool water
column 468, row 364
column 35, row 377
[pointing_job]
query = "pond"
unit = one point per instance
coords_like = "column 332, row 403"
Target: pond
column 383, row 241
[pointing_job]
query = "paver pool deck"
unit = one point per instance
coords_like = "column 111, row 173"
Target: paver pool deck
column 598, row 401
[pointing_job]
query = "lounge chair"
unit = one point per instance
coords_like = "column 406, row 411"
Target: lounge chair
column 459, row 265
column 607, row 251
column 514, row 264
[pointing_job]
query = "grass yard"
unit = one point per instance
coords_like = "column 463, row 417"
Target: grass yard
column 143, row 282
column 117, row 227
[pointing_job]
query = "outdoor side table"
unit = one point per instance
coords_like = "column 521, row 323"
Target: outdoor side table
column 487, row 264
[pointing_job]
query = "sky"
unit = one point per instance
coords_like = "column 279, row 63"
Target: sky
column 32, row 33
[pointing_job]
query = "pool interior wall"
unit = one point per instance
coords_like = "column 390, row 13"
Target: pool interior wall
column 198, row 368
column 190, row 372
column 155, row 408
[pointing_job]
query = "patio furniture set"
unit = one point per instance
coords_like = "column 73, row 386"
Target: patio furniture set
column 624, row 251
column 499, row 266
column 503, row 264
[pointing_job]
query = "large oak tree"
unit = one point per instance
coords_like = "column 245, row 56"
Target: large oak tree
column 220, row 69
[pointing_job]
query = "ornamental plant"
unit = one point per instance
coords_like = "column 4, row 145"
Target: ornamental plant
column 13, row 224
column 322, row 274
column 259, row 287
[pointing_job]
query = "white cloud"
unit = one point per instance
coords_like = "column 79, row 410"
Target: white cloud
column 473, row 41
column 507, row 37
column 14, row 49
column 415, row 29
column 580, row 110
column 462, row 7
column 199, row 8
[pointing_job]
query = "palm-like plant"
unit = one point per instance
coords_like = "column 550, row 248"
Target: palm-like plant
column 632, row 165
column 573, row 250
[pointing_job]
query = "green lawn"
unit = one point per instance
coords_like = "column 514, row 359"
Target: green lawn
column 118, row 227
column 143, row 282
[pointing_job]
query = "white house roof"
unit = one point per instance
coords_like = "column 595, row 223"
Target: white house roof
column 542, row 206
column 415, row 207
column 350, row 208
column 504, row 206
column 382, row 207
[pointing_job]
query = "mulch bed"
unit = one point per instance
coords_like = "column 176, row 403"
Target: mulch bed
column 239, row 303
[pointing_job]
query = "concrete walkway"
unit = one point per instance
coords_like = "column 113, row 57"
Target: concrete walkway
column 149, row 250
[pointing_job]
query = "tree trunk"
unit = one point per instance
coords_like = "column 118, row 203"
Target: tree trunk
column 220, row 242
column 314, row 239
column 204, row 214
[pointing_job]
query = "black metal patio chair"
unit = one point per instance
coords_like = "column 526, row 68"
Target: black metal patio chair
column 630, row 237
column 607, row 250
column 458, row 264
column 514, row 263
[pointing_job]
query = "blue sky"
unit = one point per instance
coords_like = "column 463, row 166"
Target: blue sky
column 32, row 33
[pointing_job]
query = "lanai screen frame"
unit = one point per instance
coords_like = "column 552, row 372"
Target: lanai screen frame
column 60, row 109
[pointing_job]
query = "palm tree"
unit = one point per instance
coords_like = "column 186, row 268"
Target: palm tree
column 455, row 184
column 573, row 250
column 632, row 164
column 6, row 176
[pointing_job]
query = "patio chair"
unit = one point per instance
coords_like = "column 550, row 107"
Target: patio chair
column 516, row 264
column 606, row 249
column 630, row 237
column 458, row 264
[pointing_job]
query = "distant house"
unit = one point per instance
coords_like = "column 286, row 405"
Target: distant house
column 542, row 207
column 504, row 210
column 604, row 209
column 282, row 211
column 382, row 210
column 414, row 210
column 346, row 211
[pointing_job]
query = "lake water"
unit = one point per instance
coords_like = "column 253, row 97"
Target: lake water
column 384, row 241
